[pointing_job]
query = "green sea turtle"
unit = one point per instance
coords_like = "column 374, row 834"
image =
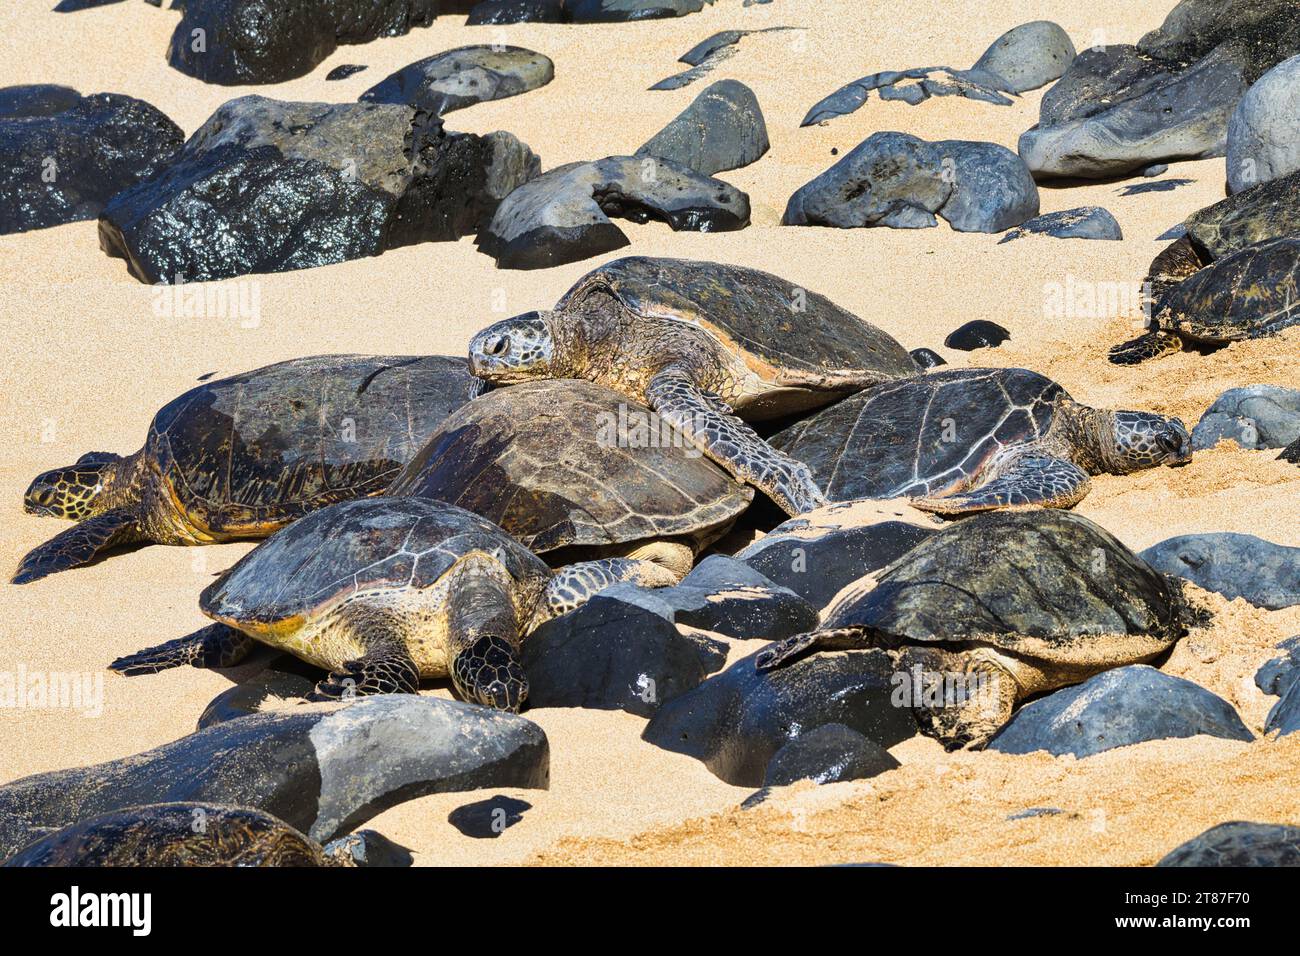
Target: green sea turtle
column 182, row 834
column 1291, row 452
column 707, row 346
column 976, row 439
column 245, row 455
column 574, row 467
column 998, row 607
column 384, row 591
column 1248, row 294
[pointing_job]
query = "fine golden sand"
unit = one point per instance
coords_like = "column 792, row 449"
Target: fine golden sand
column 88, row 359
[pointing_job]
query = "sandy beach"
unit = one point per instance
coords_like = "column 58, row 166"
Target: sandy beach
column 90, row 354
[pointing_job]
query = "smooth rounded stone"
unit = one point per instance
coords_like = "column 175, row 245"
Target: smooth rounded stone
column 563, row 215
column 462, row 77
column 488, row 819
column 728, row 597
column 722, row 129
column 516, row 11
column 64, row 156
column 1239, row 844
column 912, row 86
column 1029, row 56
column 268, row 41
column 619, row 651
column 1158, row 169
column 1085, row 222
column 976, row 334
column 345, row 70
column 736, row 721
column 1264, row 131
column 1291, row 452
column 1277, row 675
column 831, row 753
column 1234, row 565
column 269, row 186
column 1116, row 111
column 284, row 678
column 322, row 769
column 370, row 849
column 1116, row 708
column 817, row 555
column 1256, row 416
column 927, row 358
column 1284, row 716
column 896, row 180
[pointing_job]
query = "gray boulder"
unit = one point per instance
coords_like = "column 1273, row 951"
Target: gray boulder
column 563, row 215
column 1239, row 844
column 1284, row 717
column 1276, row 676
column 1085, row 222
column 896, row 180
column 722, row 129
column 831, row 753
column 1234, row 565
column 1264, row 131
column 1127, row 705
column 269, row 186
column 322, row 769
column 462, row 77
column 63, row 156
column 1029, row 56
column 736, row 721
column 1256, row 416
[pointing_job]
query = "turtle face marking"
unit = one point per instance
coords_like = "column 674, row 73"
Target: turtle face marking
column 513, row 350
column 75, row 492
column 1143, row 440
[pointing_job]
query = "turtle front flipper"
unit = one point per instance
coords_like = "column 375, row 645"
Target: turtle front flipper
column 1146, row 346
column 731, row 443
column 573, row 586
column 79, row 545
column 217, row 645
column 483, row 637
column 384, row 670
column 1030, row 481
column 787, row 651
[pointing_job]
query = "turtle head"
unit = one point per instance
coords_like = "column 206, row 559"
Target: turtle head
column 1144, row 440
column 76, row 492
column 514, row 350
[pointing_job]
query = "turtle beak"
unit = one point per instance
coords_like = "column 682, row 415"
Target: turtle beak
column 1178, row 443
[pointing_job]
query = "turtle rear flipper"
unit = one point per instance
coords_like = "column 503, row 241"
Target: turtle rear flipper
column 1030, row 481
column 80, row 545
column 573, row 586
column 787, row 651
column 1146, row 346
column 731, row 443
column 217, row 645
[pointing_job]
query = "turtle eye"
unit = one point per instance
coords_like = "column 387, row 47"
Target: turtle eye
column 498, row 346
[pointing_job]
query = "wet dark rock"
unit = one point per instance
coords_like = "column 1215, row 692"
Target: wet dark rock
column 736, row 721
column 1085, row 222
column 1266, row 31
column 1239, row 844
column 927, row 358
column 1234, row 565
column 343, row 71
column 729, row 597
column 1284, row 717
column 1277, row 675
column 370, row 849
column 462, row 77
column 897, row 180
column 64, row 156
column 1255, row 416
column 831, row 753
column 1263, row 135
column 516, row 11
column 488, row 819
column 911, row 86
column 268, row 41
column 1116, row 708
column 1291, row 452
column 817, row 560
column 564, row 215
column 270, row 186
column 322, row 769
column 977, row 334
column 1029, row 56
column 619, row 651
column 722, row 129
